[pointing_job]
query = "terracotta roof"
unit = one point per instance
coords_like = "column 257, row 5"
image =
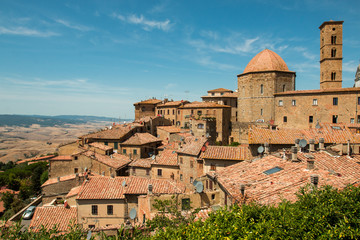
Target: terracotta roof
column 167, row 157
column 170, row 129
column 226, row 153
column 192, row 145
column 62, row 158
column 149, row 101
column 172, row 145
column 61, row 179
column 100, row 146
column 7, row 190
column 115, row 161
column 318, row 91
column 285, row 183
column 172, row 103
column 332, row 133
column 226, row 94
column 219, row 90
column 35, row 159
column 115, row 133
column 203, row 214
column 141, row 139
column 141, row 162
column 139, row 185
column 203, row 105
column 49, row 216
column 266, row 60
column 73, row 192
column 102, row 187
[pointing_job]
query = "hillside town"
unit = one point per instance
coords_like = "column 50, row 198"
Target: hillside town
column 259, row 143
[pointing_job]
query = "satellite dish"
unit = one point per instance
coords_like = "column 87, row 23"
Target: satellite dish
column 260, row 149
column 133, row 213
column 123, row 183
column 195, row 182
column 199, row 187
column 302, row 143
column 153, row 157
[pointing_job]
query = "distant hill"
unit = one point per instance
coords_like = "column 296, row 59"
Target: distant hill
column 49, row 121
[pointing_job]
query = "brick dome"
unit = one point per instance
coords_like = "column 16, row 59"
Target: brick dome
column 266, row 60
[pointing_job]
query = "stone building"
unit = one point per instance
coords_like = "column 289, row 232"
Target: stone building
column 169, row 110
column 140, row 145
column 146, row 108
column 224, row 97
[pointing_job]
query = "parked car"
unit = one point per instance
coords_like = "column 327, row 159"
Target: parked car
column 29, row 212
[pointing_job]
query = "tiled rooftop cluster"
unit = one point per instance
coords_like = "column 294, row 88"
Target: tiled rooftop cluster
column 226, row 153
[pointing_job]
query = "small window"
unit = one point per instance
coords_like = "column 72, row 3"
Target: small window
column 280, row 102
column 110, row 209
column 178, row 111
column 159, row 172
column 94, row 210
column 173, row 111
column 134, row 171
column 148, row 172
column 76, row 158
column 200, row 126
column 273, row 170
column 211, row 185
column 91, row 226
column 192, row 164
column 333, row 52
column 181, row 177
column 284, row 88
column 76, row 170
column 135, row 152
column 124, row 151
column 261, row 89
column 285, row 119
column 333, row 76
column 191, row 180
column 311, row 119
column 212, row 94
column 185, row 204
column 172, row 176
column 168, row 112
column 221, row 93
column 261, row 112
column 213, row 167
column 293, row 102
column 333, row 39
column 352, row 120
column 335, row 101
column 212, row 196
column 116, row 145
column 199, row 112
column 192, row 111
column 335, row 119
column 315, row 102
column 143, row 109
column 358, row 100
column 106, row 143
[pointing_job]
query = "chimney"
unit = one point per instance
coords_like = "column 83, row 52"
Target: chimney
column 310, row 164
column 150, row 188
column 267, row 148
column 314, row 180
column 294, row 151
column 321, row 143
column 311, row 145
column 242, row 189
column 297, row 143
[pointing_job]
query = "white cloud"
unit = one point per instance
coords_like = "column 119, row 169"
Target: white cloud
column 147, row 24
column 305, row 52
column 73, row 26
column 23, row 31
column 350, row 66
column 208, row 62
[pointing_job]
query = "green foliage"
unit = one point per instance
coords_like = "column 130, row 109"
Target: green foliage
column 44, row 177
column 8, row 199
column 319, row 214
column 234, row 144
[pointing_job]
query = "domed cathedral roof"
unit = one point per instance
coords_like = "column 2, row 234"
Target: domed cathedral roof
column 266, row 60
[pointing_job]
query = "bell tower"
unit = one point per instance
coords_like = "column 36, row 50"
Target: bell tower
column 331, row 54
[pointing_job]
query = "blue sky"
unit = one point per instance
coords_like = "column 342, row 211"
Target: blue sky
column 99, row 57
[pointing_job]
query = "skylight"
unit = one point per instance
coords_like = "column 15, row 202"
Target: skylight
column 273, row 170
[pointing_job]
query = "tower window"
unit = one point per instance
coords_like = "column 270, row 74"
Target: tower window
column 333, row 76
column 315, row 102
column 334, row 118
column 280, row 103
column 333, row 52
column 311, row 119
column 261, row 112
column 293, row 102
column 335, row 101
column 284, row 88
column 285, row 119
column 333, row 40
column 261, row 89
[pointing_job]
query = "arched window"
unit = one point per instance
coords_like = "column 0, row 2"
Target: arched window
column 333, row 40
column 284, row 88
column 333, row 52
column 261, row 89
column 333, row 76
